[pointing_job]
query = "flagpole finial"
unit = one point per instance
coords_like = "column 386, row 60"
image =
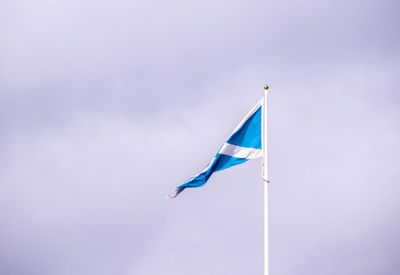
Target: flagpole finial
column 266, row 87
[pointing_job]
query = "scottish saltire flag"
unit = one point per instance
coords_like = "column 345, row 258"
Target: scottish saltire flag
column 243, row 144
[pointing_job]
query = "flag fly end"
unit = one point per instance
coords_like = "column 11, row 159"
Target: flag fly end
column 175, row 192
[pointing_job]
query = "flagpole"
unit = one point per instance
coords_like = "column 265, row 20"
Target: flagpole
column 265, row 177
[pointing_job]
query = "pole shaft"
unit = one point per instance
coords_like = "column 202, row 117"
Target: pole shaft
column 265, row 178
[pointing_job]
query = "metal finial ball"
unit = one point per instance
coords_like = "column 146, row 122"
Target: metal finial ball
column 266, row 87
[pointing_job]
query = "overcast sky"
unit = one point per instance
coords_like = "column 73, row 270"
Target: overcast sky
column 106, row 106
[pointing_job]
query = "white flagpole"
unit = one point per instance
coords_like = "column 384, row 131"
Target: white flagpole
column 265, row 176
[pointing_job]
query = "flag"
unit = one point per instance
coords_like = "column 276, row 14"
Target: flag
column 243, row 144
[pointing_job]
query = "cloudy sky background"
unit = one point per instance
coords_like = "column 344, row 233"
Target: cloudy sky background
column 106, row 106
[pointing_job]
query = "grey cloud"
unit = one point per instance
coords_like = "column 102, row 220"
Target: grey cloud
column 105, row 107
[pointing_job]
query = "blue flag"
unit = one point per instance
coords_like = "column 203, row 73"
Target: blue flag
column 243, row 144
